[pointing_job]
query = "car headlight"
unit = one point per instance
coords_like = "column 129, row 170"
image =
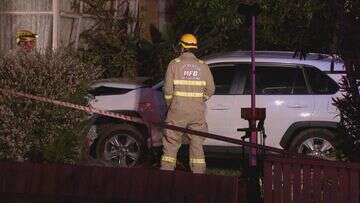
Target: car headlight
column 89, row 98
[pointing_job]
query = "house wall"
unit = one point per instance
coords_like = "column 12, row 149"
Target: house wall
column 157, row 13
column 38, row 16
column 149, row 16
column 20, row 14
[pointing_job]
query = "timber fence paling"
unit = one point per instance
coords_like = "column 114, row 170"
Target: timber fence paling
column 278, row 196
column 268, row 182
column 354, row 186
column 304, row 180
column 306, row 183
column 318, row 180
column 343, row 185
column 287, row 178
column 297, row 193
column 308, row 160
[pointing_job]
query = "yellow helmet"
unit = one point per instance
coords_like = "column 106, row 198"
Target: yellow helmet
column 24, row 36
column 188, row 41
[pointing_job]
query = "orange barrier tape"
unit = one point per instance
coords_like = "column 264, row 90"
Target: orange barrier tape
column 138, row 120
column 73, row 106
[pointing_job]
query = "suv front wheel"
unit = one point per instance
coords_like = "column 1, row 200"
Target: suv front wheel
column 315, row 142
column 121, row 145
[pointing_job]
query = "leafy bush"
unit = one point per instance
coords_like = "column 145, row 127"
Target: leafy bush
column 282, row 25
column 154, row 55
column 349, row 138
column 294, row 25
column 110, row 50
column 39, row 131
column 307, row 26
column 109, row 43
column 217, row 24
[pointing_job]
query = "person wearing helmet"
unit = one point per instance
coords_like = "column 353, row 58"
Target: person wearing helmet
column 188, row 84
column 26, row 40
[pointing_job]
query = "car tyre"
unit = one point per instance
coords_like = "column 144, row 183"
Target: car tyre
column 121, row 145
column 315, row 142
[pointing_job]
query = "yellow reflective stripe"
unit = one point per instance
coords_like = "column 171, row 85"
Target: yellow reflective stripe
column 188, row 94
column 168, row 159
column 197, row 161
column 168, row 96
column 190, row 82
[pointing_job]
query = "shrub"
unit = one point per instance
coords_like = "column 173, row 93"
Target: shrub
column 216, row 23
column 37, row 131
column 154, row 55
column 349, row 138
column 112, row 51
column 109, row 43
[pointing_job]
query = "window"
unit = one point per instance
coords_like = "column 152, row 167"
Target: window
column 274, row 80
column 241, row 78
column 223, row 78
column 320, row 83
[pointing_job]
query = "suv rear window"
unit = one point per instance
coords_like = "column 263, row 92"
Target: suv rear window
column 320, row 83
column 274, row 80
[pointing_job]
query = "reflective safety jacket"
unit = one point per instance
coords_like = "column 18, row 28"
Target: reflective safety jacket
column 188, row 84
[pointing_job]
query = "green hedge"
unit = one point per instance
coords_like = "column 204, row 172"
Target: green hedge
column 37, row 131
column 348, row 139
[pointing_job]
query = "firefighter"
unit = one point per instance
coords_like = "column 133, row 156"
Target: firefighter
column 188, row 84
column 26, row 40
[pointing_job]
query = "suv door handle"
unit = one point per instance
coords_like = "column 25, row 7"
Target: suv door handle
column 219, row 107
column 297, row 106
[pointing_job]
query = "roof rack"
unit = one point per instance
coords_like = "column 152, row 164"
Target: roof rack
column 304, row 55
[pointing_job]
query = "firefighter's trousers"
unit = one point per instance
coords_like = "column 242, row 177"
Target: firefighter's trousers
column 172, row 142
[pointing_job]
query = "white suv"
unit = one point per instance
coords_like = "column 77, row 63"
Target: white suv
column 297, row 94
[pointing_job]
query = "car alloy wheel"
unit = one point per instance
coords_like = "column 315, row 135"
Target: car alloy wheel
column 122, row 150
column 317, row 147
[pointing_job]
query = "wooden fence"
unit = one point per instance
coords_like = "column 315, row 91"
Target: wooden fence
column 29, row 182
column 310, row 180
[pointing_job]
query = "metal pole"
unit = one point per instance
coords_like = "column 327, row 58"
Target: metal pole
column 253, row 170
column 56, row 17
column 253, row 137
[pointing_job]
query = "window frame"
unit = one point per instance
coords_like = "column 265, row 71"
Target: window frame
column 303, row 67
column 221, row 65
column 282, row 65
column 307, row 77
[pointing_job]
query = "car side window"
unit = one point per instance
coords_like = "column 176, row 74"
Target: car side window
column 224, row 76
column 277, row 80
column 320, row 83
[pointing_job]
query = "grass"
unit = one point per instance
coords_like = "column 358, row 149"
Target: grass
column 216, row 166
column 224, row 166
column 223, row 171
